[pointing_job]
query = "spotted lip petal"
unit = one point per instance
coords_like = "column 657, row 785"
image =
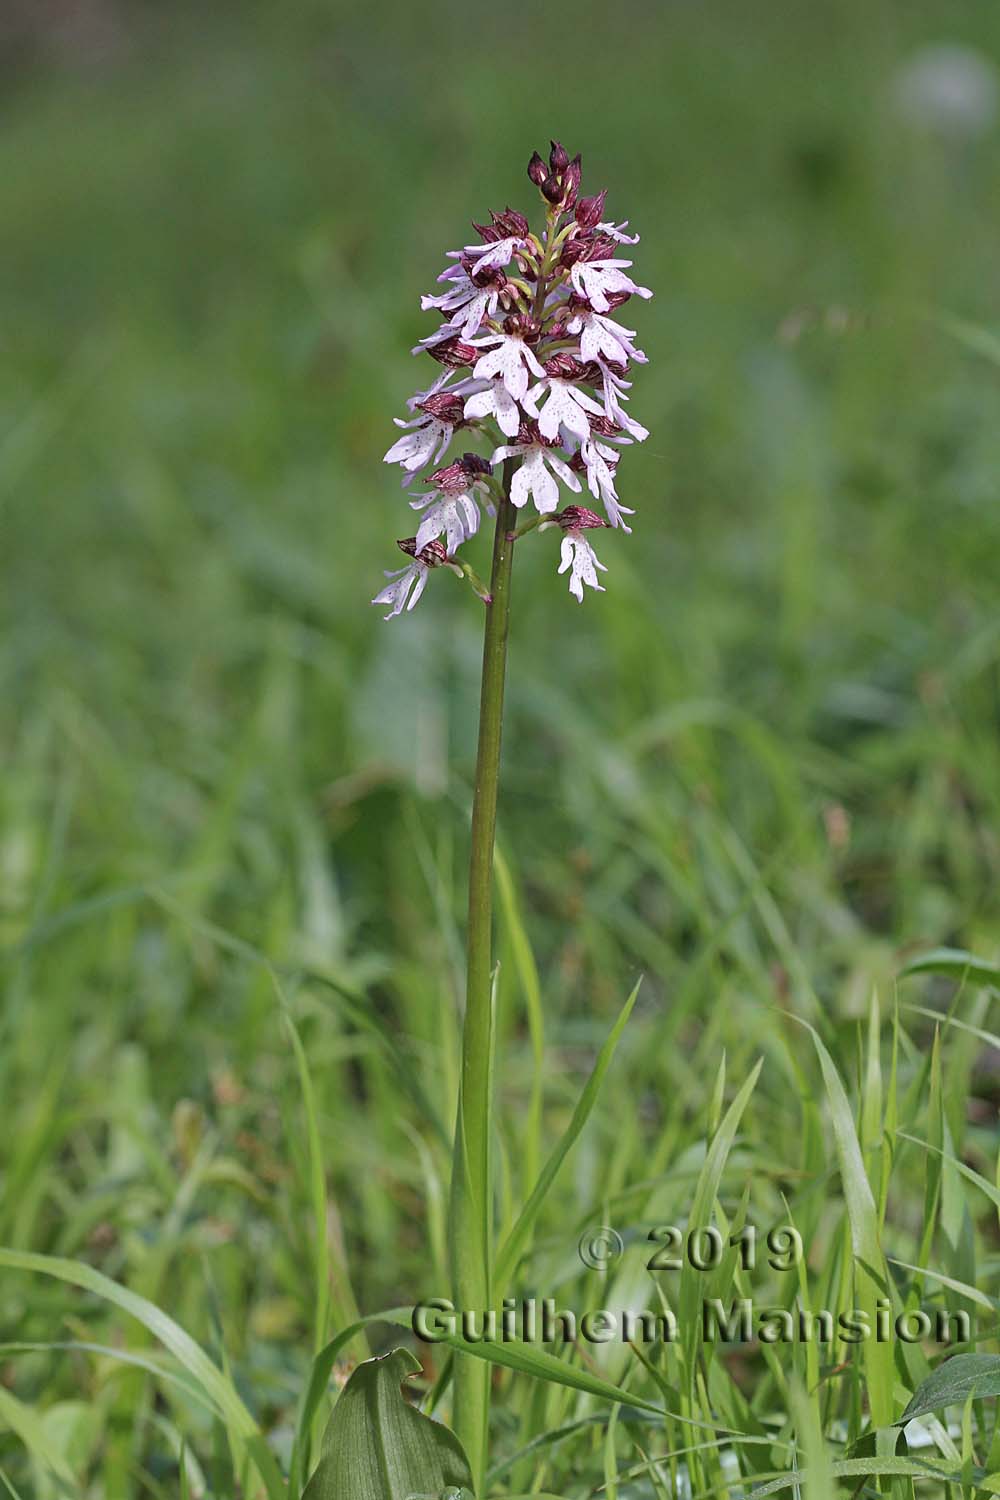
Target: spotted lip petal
column 579, row 558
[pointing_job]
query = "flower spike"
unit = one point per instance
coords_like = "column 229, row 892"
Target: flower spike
column 535, row 358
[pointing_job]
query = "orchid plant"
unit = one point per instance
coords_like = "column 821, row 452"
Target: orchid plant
column 535, row 362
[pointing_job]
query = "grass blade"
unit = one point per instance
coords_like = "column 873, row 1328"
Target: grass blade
column 181, row 1345
column 956, row 964
column 512, row 1248
column 527, row 973
column 702, row 1212
column 26, row 1424
column 870, row 1270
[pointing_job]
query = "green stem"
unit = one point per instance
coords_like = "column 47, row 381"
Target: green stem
column 471, row 1210
column 472, row 1191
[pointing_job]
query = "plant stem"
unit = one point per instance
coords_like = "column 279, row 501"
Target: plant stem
column 471, row 1210
column 471, row 1226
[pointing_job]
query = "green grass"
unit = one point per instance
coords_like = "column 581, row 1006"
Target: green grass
column 763, row 770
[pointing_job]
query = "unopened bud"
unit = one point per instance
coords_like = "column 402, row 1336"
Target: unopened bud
column 513, row 225
column 552, row 189
column 474, row 465
column 564, row 366
column 590, row 211
column 558, row 157
column 536, row 169
column 445, row 407
column 574, row 249
column 453, row 352
column 600, row 248
column 578, row 518
column 452, row 479
column 571, row 181
column 491, row 276
column 593, row 373
column 489, row 232
column 432, row 556
column 522, row 326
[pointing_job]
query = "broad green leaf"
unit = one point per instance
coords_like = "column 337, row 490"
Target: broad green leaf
column 322, row 1365
column 956, row 964
column 378, row 1447
column 953, row 1382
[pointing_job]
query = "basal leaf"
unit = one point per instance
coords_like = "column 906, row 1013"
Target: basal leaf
column 378, row 1447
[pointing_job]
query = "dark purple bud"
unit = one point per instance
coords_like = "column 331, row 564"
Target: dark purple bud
column 445, row 407
column 574, row 249
column 521, row 326
column 558, row 157
column 590, row 211
column 592, row 373
column 489, row 232
column 600, row 248
column 578, row 518
column 490, row 276
column 552, row 189
column 473, row 465
column 565, row 366
column 452, row 478
column 571, row 181
column 512, row 224
column 528, row 432
column 432, row 556
column 453, row 352
column 537, row 169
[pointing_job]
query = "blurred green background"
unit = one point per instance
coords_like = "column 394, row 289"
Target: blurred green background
column 764, row 765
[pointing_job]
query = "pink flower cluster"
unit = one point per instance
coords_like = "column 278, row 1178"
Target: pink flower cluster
column 534, row 360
